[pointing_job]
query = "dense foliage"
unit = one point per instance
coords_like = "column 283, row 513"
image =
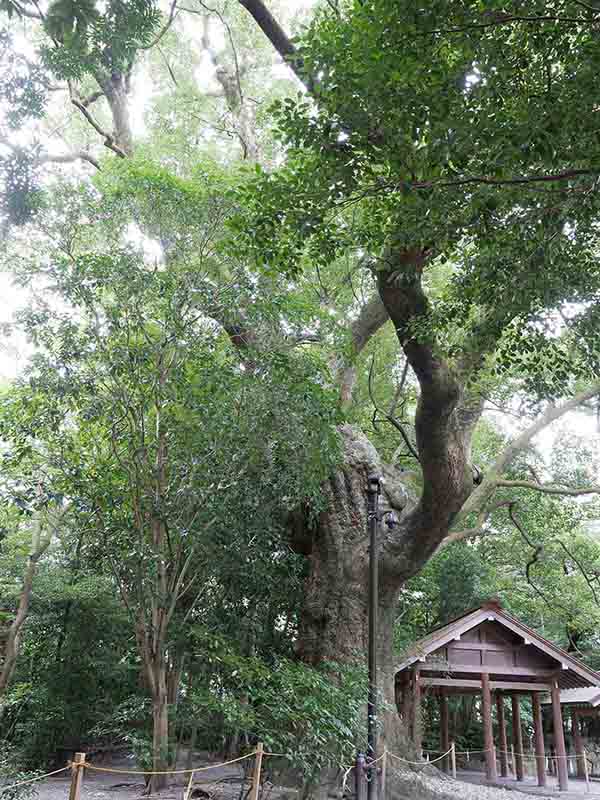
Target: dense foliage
column 207, row 257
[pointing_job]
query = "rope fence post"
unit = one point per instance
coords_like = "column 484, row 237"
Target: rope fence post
column 453, row 759
column 586, row 772
column 383, row 775
column 359, row 777
column 186, row 794
column 256, row 773
column 512, row 760
column 77, row 767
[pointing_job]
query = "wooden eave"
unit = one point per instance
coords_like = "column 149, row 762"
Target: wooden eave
column 570, row 673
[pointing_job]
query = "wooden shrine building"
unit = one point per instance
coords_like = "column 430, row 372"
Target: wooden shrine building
column 580, row 705
column 489, row 652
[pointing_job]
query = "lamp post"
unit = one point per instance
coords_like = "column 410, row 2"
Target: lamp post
column 373, row 518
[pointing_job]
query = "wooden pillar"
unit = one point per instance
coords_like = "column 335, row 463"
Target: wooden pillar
column 559, row 739
column 488, row 731
column 577, row 741
column 77, row 767
column 360, row 786
column 502, row 742
column 255, row 790
column 538, row 732
column 415, row 711
column 444, row 728
column 517, row 736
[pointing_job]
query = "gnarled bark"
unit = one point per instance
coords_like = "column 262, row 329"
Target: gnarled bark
column 333, row 624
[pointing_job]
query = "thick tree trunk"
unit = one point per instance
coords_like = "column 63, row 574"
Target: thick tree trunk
column 333, row 624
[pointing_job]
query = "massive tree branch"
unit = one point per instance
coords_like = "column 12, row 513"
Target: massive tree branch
column 26, row 12
column 480, row 497
column 389, row 416
column 278, row 38
column 69, row 158
column 170, row 19
column 91, row 98
column 372, row 317
column 479, row 527
column 552, row 413
column 107, row 137
column 54, row 158
column 549, row 488
column 443, row 422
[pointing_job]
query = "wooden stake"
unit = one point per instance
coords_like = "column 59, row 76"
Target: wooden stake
column 186, row 794
column 256, row 773
column 77, row 767
column 586, row 773
column 512, row 759
column 359, row 782
column 383, row 774
column 453, row 759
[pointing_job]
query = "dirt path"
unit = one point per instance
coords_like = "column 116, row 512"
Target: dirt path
column 411, row 786
column 219, row 783
column 225, row 783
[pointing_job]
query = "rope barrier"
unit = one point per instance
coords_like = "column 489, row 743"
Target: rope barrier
column 87, row 765
column 459, row 752
column 32, row 780
column 348, row 769
column 420, row 763
column 533, row 757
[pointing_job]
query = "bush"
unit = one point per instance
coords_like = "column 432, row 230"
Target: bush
column 313, row 715
column 12, row 771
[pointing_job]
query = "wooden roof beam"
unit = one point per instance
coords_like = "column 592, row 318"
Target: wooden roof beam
column 469, row 683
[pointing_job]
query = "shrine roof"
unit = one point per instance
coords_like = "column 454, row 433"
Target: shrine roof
column 571, row 673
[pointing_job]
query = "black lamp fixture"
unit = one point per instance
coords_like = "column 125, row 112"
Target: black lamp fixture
column 391, row 521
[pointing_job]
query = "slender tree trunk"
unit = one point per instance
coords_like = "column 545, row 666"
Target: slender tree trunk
column 160, row 733
column 13, row 639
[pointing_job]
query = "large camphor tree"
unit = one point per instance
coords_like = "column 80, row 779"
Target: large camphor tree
column 452, row 150
column 441, row 159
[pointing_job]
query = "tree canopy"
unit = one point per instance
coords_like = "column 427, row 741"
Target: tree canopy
column 261, row 254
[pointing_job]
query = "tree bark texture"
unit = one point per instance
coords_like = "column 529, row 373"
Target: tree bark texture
column 8, row 658
column 333, row 623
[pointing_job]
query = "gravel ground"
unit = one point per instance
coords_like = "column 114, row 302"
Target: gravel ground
column 420, row 786
column 225, row 783
column 219, row 783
